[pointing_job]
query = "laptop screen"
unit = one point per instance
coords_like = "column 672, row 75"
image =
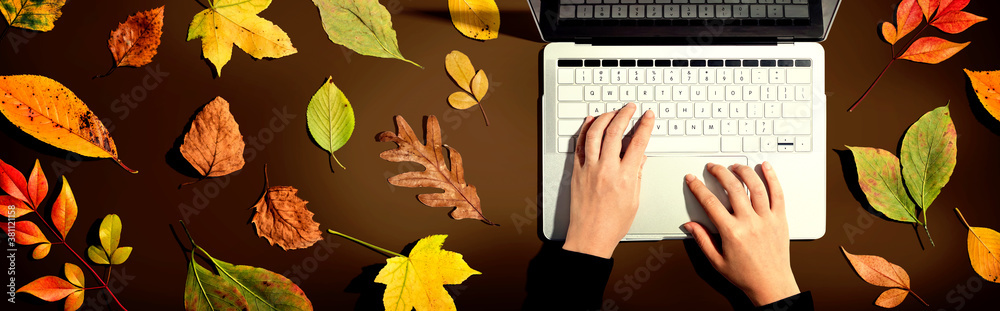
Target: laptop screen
column 700, row 22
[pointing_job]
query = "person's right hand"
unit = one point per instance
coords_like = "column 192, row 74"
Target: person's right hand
column 753, row 253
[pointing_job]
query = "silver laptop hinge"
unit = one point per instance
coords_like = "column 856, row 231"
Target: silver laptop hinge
column 786, row 40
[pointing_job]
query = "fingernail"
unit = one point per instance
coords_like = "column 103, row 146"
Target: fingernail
column 767, row 165
column 709, row 165
column 689, row 178
column 647, row 114
column 687, row 227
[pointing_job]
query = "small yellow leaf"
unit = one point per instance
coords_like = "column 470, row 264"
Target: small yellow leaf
column 41, row 251
column 461, row 100
column 460, row 69
column 984, row 251
column 480, row 84
column 416, row 281
column 476, row 19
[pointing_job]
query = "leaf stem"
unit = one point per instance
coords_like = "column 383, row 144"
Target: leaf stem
column 960, row 216
column 334, row 158
column 188, row 233
column 484, row 113
column 384, row 251
column 95, row 287
column 106, row 74
column 894, row 58
column 918, row 297
column 928, row 230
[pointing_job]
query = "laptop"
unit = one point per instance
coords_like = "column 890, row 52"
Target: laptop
column 730, row 81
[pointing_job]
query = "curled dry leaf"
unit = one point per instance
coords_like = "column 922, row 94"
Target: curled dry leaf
column 985, row 84
column 214, row 145
column 460, row 69
column 364, row 26
column 476, row 19
column 37, row 15
column 436, row 172
column 330, row 118
column 416, row 281
column 64, row 210
column 134, row 42
column 50, row 112
column 932, row 50
column 879, row 272
column 282, row 218
column 480, row 84
column 984, row 250
column 228, row 22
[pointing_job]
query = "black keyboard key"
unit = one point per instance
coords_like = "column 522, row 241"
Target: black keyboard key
column 662, row 63
column 715, row 63
column 570, row 63
column 680, row 63
column 803, row 63
column 592, row 63
column 751, row 63
column 626, row 63
column 786, row 63
column 645, row 63
column 609, row 63
column 768, row 63
column 733, row 63
column 698, row 63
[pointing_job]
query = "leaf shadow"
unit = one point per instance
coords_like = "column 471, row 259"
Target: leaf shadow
column 980, row 112
column 703, row 268
column 519, row 24
column 94, row 236
column 371, row 293
column 175, row 159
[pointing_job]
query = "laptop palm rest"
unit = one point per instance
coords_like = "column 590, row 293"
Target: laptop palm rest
column 666, row 203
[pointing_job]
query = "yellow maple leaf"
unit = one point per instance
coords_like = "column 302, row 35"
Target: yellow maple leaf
column 229, row 22
column 416, row 281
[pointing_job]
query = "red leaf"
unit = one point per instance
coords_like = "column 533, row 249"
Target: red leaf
column 20, row 209
column 38, row 186
column 64, row 209
column 932, row 50
column 27, row 233
column 908, row 17
column 956, row 22
column 49, row 288
column 946, row 6
column 889, row 33
column 12, row 182
column 928, row 7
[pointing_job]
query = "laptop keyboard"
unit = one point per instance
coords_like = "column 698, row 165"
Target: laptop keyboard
column 701, row 106
column 684, row 9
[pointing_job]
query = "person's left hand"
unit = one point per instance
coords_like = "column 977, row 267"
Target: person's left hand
column 604, row 192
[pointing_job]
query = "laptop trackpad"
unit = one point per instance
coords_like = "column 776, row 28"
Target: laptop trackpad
column 666, row 203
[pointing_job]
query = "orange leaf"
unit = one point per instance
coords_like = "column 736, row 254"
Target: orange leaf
column 891, row 298
column 49, row 288
column 928, row 7
column 12, row 182
column 27, row 233
column 64, row 210
column 932, row 50
column 436, row 173
column 74, row 301
column 889, row 33
column 74, row 274
column 908, row 17
column 879, row 272
column 41, row 251
column 956, row 22
column 38, row 186
column 282, row 218
column 985, row 83
column 947, row 6
column 20, row 209
column 214, row 145
column 135, row 41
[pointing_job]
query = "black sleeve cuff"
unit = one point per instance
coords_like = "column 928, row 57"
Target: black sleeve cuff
column 800, row 302
column 566, row 280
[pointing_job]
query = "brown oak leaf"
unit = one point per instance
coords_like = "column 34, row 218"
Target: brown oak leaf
column 282, row 218
column 436, row 174
column 214, row 145
column 134, row 42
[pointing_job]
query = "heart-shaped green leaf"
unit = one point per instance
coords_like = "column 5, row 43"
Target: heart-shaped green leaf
column 330, row 118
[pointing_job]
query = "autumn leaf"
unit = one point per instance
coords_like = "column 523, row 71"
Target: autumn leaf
column 364, row 26
column 282, row 218
column 20, row 209
column 928, row 156
column 214, row 145
column 480, row 84
column 932, row 50
column 984, row 250
column 880, row 178
column 109, row 234
column 461, row 100
column 880, row 272
column 330, row 118
column 436, row 172
column 908, row 17
column 238, row 287
column 985, row 84
column 957, row 21
column 460, row 69
column 948, row 6
column 228, row 22
column 476, row 19
column 27, row 233
column 37, row 15
column 53, row 288
column 928, row 7
column 64, row 210
column 12, row 182
column 50, row 112
column 134, row 42
column 474, row 83
column 38, row 185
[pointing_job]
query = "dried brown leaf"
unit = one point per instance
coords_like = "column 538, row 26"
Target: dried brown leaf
column 880, row 272
column 282, row 218
column 214, row 145
column 134, row 42
column 436, row 174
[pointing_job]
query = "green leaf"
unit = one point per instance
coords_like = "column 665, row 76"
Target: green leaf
column 929, row 154
column 37, row 15
column 110, row 233
column 364, row 26
column 263, row 289
column 97, row 255
column 880, row 179
column 204, row 290
column 330, row 118
column 121, row 255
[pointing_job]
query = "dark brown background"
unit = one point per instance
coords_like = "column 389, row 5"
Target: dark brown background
column 501, row 160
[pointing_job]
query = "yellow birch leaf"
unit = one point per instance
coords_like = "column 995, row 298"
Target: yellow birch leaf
column 417, row 280
column 461, row 100
column 476, row 19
